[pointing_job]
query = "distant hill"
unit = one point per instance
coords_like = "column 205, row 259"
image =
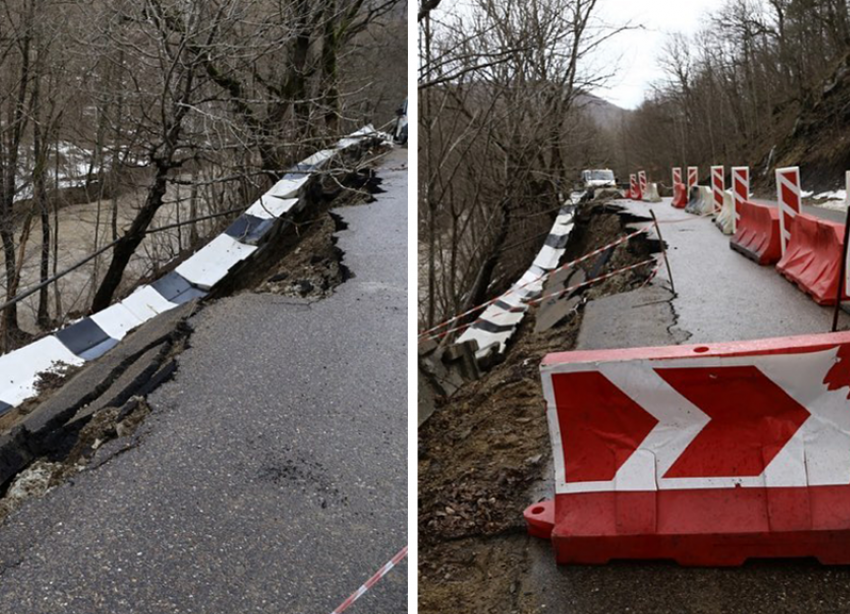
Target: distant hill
column 604, row 113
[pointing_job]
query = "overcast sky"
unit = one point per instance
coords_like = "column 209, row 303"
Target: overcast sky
column 638, row 49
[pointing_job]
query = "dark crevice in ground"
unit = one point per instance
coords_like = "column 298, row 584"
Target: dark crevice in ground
column 487, row 446
column 113, row 411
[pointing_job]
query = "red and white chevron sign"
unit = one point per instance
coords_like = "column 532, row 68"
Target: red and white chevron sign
column 718, row 186
column 643, row 184
column 633, row 184
column 743, row 415
column 740, row 191
column 788, row 194
column 677, row 175
column 693, row 176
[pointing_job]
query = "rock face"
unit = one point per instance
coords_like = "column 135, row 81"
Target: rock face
column 819, row 141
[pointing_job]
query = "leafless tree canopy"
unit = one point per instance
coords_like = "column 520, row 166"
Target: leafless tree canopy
column 503, row 136
column 733, row 91
column 123, row 112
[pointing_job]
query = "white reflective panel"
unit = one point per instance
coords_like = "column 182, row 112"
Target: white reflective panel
column 269, row 207
column 146, row 303
column 548, row 257
column 211, row 264
column 18, row 369
column 320, row 157
column 287, row 188
column 116, row 321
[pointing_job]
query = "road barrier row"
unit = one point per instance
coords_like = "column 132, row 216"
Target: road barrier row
column 93, row 336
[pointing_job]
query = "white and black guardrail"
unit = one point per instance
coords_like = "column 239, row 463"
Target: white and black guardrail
column 498, row 323
column 94, row 336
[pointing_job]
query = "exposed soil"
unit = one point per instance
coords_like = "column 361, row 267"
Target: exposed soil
column 483, row 449
column 314, row 268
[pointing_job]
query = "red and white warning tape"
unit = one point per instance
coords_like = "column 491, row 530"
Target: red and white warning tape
column 383, row 571
column 427, row 334
column 596, row 252
column 553, row 295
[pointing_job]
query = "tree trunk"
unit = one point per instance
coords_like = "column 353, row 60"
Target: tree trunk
column 126, row 246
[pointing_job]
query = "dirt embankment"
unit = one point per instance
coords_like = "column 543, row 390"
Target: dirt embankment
column 484, row 448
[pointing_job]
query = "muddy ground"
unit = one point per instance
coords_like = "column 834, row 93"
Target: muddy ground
column 484, row 448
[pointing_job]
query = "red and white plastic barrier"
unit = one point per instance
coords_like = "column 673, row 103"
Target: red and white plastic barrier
column 757, row 235
column 708, row 455
column 740, row 191
column 789, row 196
column 812, row 259
column 677, row 176
column 693, row 176
column 718, row 186
column 643, row 184
column 680, row 196
column 634, row 193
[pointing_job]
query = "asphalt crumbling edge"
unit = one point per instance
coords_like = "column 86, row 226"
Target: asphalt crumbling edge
column 59, row 430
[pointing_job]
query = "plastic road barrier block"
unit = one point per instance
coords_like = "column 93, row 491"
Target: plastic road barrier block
column 789, row 196
column 652, row 195
column 211, row 264
column 695, row 204
column 693, row 176
column 642, row 184
column 19, row 370
column 718, row 186
column 707, row 207
column 724, row 219
column 812, row 259
column 680, row 195
column 757, row 236
column 707, row 455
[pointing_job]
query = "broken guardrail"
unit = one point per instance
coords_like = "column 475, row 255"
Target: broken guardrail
column 95, row 335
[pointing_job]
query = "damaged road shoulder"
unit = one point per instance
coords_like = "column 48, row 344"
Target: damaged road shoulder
column 60, row 433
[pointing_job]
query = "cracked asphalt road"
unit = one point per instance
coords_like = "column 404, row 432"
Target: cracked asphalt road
column 271, row 475
column 721, row 296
